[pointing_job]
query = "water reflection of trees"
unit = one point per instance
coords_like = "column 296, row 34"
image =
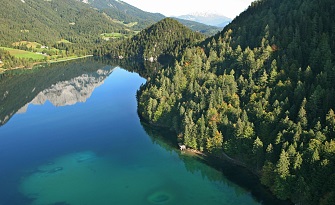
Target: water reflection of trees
column 231, row 174
column 144, row 68
column 19, row 87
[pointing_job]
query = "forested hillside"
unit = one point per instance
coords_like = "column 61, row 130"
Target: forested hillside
column 50, row 21
column 68, row 28
column 126, row 13
column 137, row 19
column 161, row 41
column 261, row 91
column 52, row 30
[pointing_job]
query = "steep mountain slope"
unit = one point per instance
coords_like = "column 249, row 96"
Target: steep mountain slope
column 163, row 40
column 137, row 19
column 126, row 13
column 49, row 21
column 208, row 19
column 263, row 92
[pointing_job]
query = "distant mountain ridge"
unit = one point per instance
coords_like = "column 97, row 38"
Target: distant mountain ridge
column 78, row 21
column 208, row 19
column 200, row 27
column 139, row 19
column 126, row 13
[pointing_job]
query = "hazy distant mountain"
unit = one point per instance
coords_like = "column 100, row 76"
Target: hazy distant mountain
column 200, row 27
column 207, row 18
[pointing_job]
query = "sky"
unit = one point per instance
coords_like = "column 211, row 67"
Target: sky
column 228, row 8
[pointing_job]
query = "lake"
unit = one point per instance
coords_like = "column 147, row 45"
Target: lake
column 70, row 135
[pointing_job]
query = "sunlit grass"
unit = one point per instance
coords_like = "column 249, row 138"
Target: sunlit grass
column 63, row 41
column 23, row 54
column 27, row 43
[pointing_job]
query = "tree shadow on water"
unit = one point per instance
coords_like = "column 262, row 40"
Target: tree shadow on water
column 232, row 175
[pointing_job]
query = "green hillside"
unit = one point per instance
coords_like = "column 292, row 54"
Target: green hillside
column 126, row 13
column 60, row 28
column 47, row 22
column 261, row 91
column 161, row 41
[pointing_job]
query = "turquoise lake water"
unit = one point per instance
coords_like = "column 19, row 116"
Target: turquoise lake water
column 70, row 135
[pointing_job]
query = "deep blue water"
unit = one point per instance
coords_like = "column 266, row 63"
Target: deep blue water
column 78, row 140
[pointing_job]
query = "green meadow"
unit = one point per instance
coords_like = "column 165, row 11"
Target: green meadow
column 23, row 54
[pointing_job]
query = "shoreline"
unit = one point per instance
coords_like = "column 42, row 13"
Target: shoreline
column 217, row 161
column 74, row 58
column 2, row 71
column 223, row 155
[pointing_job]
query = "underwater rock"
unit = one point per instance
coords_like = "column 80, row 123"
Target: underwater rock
column 85, row 157
column 159, row 197
column 54, row 170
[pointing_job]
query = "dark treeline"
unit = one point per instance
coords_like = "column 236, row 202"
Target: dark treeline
column 261, row 91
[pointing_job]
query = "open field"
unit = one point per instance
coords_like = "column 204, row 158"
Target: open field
column 27, row 43
column 23, row 54
column 112, row 35
column 63, row 41
column 68, row 58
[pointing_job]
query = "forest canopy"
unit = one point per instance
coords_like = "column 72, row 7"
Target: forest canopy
column 261, row 91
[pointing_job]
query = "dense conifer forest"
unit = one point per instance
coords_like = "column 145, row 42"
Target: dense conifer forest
column 261, row 91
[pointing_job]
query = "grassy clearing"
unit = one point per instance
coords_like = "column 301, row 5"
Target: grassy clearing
column 68, row 58
column 107, row 36
column 112, row 35
column 131, row 24
column 27, row 43
column 23, row 54
column 63, row 41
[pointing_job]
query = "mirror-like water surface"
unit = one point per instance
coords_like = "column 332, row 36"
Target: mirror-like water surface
column 76, row 139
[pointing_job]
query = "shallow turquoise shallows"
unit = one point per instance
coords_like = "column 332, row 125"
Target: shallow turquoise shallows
column 71, row 135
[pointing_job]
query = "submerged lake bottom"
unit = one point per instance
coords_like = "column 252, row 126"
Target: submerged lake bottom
column 79, row 141
column 85, row 178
